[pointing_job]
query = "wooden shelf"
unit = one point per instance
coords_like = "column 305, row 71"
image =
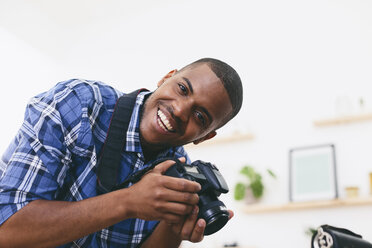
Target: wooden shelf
column 343, row 120
column 256, row 209
column 223, row 140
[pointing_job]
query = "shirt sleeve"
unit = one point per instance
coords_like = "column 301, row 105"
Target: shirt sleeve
column 35, row 164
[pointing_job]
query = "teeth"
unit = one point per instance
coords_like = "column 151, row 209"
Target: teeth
column 161, row 125
column 164, row 121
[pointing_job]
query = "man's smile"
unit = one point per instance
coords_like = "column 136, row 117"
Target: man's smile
column 164, row 122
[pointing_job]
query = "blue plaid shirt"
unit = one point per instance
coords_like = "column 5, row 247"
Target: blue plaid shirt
column 54, row 155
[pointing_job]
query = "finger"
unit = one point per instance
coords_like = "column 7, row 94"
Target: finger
column 175, row 208
column 182, row 159
column 164, row 166
column 181, row 184
column 173, row 219
column 189, row 224
column 198, row 232
column 231, row 214
column 180, row 197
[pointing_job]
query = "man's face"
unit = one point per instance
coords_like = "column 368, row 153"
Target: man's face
column 187, row 107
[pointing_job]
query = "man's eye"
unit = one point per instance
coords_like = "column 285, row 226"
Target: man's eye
column 183, row 88
column 200, row 117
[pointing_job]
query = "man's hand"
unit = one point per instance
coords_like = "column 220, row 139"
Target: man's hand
column 192, row 228
column 186, row 225
column 160, row 197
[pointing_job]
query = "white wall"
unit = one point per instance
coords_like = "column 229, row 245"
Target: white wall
column 297, row 59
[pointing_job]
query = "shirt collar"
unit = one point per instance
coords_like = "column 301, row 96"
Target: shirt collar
column 133, row 136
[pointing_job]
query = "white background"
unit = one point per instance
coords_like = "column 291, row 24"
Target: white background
column 299, row 61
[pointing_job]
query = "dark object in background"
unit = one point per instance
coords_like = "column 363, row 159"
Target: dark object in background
column 212, row 210
column 334, row 237
column 235, row 244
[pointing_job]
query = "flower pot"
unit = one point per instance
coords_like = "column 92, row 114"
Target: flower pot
column 249, row 197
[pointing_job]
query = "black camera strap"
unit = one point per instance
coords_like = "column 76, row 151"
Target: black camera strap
column 135, row 177
column 110, row 158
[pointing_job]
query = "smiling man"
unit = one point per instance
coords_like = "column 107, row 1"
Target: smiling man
column 48, row 175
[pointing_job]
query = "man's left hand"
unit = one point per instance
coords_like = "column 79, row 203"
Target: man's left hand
column 192, row 229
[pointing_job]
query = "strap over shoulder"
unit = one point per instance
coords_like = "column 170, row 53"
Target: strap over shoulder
column 110, row 157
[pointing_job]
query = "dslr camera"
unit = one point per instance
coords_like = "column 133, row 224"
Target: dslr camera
column 211, row 209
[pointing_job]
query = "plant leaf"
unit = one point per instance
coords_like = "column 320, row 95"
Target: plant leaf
column 239, row 191
column 257, row 188
column 249, row 172
column 271, row 173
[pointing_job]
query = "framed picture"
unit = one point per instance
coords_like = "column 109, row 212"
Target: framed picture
column 312, row 173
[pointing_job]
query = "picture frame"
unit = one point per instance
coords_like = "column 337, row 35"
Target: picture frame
column 312, row 173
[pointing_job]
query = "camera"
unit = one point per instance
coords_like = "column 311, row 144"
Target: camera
column 211, row 209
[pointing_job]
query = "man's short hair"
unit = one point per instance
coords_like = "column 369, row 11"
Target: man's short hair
column 230, row 80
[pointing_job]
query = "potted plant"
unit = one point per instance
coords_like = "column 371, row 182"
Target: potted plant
column 253, row 188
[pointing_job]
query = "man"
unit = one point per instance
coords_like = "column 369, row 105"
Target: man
column 48, row 178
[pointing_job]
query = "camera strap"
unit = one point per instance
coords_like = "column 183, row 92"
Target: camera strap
column 135, row 177
column 110, row 157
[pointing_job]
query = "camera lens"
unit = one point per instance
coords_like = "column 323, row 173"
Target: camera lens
column 215, row 215
column 212, row 210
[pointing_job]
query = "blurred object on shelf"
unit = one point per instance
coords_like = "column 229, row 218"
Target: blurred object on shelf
column 362, row 105
column 352, row 191
column 349, row 105
column 234, row 244
column 226, row 245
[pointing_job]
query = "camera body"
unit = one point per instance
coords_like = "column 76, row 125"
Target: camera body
column 211, row 209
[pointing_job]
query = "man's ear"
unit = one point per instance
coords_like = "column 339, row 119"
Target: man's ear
column 168, row 75
column 206, row 137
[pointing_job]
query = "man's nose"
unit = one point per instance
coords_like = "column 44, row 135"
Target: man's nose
column 182, row 109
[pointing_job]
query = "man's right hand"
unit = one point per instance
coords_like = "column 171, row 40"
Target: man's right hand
column 160, row 197
column 154, row 197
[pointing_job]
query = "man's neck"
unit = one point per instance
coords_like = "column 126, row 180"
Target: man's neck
column 150, row 151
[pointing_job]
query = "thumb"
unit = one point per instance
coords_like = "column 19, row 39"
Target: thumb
column 182, row 159
column 231, row 214
column 163, row 166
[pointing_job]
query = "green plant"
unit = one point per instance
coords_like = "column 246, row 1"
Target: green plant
column 310, row 231
column 254, row 183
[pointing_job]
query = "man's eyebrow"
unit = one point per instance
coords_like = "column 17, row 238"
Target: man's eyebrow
column 189, row 84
